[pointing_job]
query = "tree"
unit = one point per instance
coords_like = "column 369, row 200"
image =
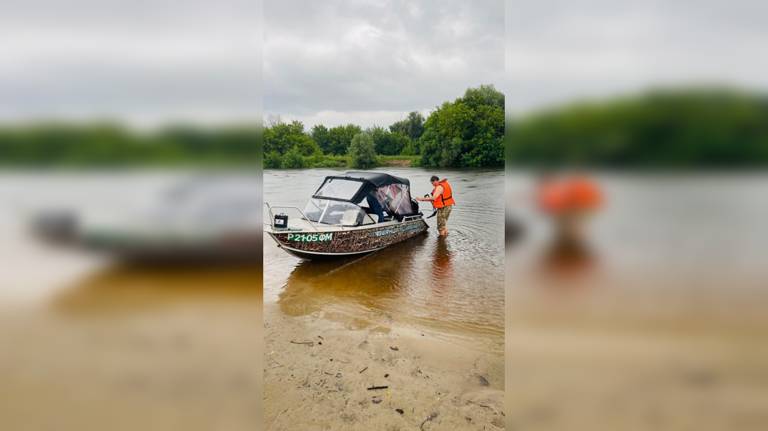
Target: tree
column 340, row 137
column 362, row 154
column 282, row 137
column 484, row 95
column 322, row 137
column 387, row 142
column 467, row 132
column 412, row 148
column 412, row 126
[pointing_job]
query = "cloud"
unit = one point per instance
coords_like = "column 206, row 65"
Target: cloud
column 142, row 62
column 372, row 62
column 357, row 61
column 558, row 51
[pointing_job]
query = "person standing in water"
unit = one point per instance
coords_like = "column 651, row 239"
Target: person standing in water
column 442, row 200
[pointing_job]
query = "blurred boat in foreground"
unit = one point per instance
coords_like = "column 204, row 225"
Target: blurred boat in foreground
column 203, row 219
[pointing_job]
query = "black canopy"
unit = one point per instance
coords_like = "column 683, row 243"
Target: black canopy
column 378, row 179
column 391, row 192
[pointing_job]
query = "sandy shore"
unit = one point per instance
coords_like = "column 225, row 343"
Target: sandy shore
column 637, row 368
column 318, row 373
column 136, row 350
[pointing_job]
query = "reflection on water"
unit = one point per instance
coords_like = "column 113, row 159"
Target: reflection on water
column 568, row 260
column 452, row 284
column 363, row 281
column 135, row 288
column 679, row 231
column 442, row 269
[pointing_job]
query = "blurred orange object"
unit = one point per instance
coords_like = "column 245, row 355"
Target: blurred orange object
column 551, row 196
column 583, row 194
column 568, row 195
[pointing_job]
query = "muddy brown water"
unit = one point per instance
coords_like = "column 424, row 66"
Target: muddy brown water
column 664, row 238
column 656, row 321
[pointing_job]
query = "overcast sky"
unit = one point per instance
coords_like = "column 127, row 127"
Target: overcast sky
column 144, row 61
column 360, row 61
column 561, row 50
column 372, row 61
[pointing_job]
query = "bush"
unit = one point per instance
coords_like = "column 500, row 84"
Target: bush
column 327, row 161
column 388, row 143
column 293, row 159
column 273, row 160
column 362, row 153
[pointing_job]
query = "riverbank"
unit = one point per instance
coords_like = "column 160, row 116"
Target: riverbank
column 126, row 349
column 640, row 365
column 331, row 161
column 424, row 318
column 322, row 374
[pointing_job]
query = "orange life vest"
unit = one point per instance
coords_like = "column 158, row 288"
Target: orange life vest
column 446, row 197
column 569, row 195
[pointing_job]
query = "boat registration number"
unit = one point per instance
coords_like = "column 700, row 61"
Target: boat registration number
column 391, row 231
column 310, row 237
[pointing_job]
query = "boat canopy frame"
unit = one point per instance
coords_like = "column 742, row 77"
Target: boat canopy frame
column 370, row 184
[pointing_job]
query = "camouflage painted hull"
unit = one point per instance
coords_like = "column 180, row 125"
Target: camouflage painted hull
column 345, row 242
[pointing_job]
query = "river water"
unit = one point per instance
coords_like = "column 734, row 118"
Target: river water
column 450, row 285
column 659, row 237
column 664, row 302
column 656, row 321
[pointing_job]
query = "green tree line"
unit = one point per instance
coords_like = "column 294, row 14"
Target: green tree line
column 467, row 132
column 110, row 144
column 690, row 127
column 679, row 128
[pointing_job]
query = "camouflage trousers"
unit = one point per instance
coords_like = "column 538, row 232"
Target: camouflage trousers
column 442, row 216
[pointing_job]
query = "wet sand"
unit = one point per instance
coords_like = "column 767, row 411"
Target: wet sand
column 318, row 371
column 588, row 368
column 92, row 344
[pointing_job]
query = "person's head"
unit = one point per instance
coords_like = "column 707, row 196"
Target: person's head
column 434, row 180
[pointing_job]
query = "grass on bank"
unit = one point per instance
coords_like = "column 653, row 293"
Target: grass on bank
column 342, row 161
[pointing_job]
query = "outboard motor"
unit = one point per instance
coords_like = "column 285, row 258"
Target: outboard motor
column 57, row 226
column 281, row 221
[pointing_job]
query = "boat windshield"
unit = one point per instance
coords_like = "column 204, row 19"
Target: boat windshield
column 339, row 188
column 335, row 212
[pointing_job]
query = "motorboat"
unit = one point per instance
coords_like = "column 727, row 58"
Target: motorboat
column 206, row 218
column 349, row 214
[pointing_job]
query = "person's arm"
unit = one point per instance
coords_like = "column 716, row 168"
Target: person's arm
column 438, row 192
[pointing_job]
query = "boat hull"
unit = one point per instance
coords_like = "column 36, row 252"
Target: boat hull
column 346, row 242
